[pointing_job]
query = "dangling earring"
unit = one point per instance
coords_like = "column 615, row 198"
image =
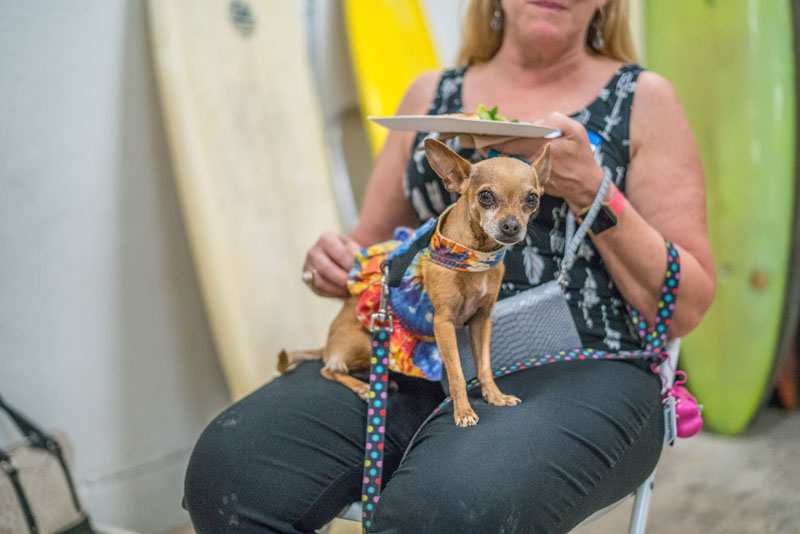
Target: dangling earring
column 496, row 24
column 598, row 42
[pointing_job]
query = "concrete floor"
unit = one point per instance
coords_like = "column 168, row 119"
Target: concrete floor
column 712, row 484
column 733, row 485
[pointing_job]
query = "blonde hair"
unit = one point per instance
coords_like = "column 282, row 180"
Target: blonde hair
column 479, row 42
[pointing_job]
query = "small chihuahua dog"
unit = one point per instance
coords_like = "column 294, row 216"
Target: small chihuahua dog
column 497, row 197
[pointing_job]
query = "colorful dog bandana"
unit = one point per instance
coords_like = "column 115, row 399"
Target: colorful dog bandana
column 448, row 253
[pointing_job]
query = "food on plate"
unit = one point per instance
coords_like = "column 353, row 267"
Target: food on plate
column 491, row 114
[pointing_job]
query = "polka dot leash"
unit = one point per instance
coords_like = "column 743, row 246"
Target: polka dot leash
column 381, row 329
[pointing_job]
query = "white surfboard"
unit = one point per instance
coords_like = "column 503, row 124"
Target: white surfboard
column 247, row 145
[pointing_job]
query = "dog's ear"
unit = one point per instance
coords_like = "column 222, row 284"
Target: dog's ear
column 543, row 165
column 451, row 168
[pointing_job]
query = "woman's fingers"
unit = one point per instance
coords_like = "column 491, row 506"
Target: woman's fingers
column 322, row 286
column 320, row 283
column 337, row 249
column 331, row 258
column 532, row 147
column 570, row 128
column 327, row 268
column 526, row 146
column 351, row 245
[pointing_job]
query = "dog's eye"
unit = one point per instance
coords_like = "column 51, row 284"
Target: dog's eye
column 532, row 200
column 486, row 198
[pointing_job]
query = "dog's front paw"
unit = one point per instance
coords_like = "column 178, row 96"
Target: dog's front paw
column 496, row 398
column 465, row 416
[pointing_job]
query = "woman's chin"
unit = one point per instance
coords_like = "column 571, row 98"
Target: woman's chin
column 544, row 34
column 544, row 26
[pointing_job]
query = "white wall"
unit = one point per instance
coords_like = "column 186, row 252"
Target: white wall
column 102, row 327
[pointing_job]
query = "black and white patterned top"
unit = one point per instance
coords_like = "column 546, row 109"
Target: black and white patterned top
column 596, row 305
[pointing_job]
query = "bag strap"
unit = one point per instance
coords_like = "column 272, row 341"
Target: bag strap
column 8, row 468
column 35, row 436
column 574, row 238
column 654, row 337
column 39, row 439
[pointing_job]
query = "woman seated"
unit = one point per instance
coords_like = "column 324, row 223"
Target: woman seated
column 586, row 433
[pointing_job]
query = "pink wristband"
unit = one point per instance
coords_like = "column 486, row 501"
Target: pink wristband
column 617, row 201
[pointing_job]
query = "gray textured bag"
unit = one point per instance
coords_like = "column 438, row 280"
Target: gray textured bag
column 535, row 321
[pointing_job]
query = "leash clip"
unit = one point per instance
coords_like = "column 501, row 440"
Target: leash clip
column 383, row 316
column 378, row 319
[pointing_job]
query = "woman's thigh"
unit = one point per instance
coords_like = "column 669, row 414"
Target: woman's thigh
column 289, row 457
column 585, row 435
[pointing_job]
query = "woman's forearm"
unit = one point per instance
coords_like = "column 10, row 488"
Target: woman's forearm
column 635, row 255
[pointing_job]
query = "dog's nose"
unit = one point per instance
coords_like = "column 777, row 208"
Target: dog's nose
column 510, row 226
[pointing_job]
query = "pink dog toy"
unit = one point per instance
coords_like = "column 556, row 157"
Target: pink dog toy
column 687, row 411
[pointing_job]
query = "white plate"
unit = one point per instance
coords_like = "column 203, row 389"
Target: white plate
column 457, row 125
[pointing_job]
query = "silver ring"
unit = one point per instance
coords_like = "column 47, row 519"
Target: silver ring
column 308, row 277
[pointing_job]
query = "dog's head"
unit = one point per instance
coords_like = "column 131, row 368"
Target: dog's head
column 502, row 193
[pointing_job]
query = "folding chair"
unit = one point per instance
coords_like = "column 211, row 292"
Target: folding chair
column 641, row 503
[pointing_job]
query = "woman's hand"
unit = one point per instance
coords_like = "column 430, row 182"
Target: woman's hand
column 329, row 261
column 575, row 175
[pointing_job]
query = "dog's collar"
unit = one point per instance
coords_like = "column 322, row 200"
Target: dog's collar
column 447, row 253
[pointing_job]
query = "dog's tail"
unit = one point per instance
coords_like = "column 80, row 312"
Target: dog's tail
column 289, row 360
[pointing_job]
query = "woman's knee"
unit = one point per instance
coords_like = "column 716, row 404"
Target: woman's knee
column 434, row 503
column 210, row 492
column 283, row 458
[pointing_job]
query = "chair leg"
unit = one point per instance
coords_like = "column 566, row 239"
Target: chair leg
column 641, row 506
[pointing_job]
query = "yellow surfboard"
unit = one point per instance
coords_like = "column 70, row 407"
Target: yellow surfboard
column 246, row 139
column 390, row 45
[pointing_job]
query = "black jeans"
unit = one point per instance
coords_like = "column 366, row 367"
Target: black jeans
column 289, row 457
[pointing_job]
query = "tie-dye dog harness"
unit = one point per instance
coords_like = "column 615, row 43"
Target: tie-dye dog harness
column 412, row 347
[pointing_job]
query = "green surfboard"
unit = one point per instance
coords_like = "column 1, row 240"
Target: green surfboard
column 733, row 65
